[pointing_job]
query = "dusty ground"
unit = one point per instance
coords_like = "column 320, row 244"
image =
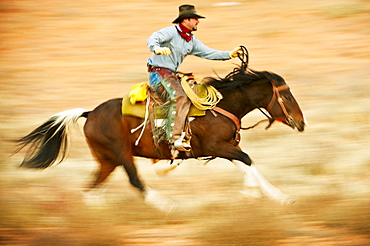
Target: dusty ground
column 58, row 55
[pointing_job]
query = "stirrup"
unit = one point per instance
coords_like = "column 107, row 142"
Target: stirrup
column 181, row 144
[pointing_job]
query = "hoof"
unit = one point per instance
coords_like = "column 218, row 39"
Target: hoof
column 252, row 193
column 94, row 198
column 158, row 201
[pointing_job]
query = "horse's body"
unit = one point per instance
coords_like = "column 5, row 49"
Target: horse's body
column 109, row 135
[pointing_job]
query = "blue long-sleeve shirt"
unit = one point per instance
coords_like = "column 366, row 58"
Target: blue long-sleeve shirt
column 170, row 38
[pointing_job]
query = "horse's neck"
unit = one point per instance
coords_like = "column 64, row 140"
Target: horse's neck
column 236, row 103
column 243, row 100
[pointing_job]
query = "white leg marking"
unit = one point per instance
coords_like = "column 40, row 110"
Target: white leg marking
column 251, row 185
column 95, row 197
column 159, row 201
column 269, row 190
column 254, row 179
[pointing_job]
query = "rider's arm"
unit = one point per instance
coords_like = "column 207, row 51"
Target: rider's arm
column 160, row 38
column 203, row 51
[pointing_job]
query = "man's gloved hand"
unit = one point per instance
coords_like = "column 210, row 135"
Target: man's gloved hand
column 235, row 52
column 162, row 51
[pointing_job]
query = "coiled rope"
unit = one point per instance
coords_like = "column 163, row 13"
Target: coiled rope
column 203, row 103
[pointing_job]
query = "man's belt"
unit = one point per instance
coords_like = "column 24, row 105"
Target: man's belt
column 162, row 71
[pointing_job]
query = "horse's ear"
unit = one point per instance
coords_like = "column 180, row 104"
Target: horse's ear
column 275, row 79
column 274, row 82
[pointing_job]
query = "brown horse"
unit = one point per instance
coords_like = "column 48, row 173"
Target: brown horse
column 216, row 134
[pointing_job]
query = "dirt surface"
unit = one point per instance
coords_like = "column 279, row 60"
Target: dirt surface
column 58, row 55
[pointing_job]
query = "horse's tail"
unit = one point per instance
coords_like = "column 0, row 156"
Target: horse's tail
column 49, row 142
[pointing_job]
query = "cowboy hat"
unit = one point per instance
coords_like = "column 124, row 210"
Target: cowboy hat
column 187, row 11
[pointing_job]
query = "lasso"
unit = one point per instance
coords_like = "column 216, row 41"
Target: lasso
column 210, row 101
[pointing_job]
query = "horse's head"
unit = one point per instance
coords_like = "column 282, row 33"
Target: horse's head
column 283, row 106
column 247, row 89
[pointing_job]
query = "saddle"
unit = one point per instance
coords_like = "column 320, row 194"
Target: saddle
column 145, row 102
column 134, row 103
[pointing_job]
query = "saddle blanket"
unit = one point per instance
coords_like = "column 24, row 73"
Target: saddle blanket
column 138, row 109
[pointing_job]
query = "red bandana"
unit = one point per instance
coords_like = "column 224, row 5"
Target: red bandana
column 184, row 32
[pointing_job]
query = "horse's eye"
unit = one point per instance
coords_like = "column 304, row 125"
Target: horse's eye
column 288, row 98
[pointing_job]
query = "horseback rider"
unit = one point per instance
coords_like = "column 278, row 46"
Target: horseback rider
column 170, row 46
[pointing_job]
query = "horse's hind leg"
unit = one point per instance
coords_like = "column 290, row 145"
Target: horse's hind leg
column 109, row 159
column 108, row 162
column 94, row 193
column 130, row 168
column 105, row 169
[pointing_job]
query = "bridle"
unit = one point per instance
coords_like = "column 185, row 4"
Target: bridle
column 243, row 56
column 277, row 97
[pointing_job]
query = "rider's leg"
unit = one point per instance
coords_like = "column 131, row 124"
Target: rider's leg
column 180, row 112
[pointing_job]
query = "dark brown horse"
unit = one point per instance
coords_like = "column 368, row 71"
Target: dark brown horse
column 110, row 139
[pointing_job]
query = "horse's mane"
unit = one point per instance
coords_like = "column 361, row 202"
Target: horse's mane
column 241, row 77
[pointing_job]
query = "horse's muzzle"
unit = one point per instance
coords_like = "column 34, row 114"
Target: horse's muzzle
column 300, row 125
column 294, row 124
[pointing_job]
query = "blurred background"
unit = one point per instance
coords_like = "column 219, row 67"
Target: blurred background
column 58, row 55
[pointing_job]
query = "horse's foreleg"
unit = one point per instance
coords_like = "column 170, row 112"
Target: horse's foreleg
column 225, row 150
column 164, row 169
column 255, row 184
column 251, row 184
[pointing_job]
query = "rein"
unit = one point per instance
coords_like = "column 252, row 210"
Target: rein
column 275, row 97
column 244, row 58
